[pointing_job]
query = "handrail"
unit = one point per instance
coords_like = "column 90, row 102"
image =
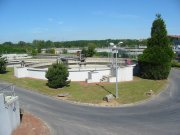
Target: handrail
column 7, row 86
column 6, row 90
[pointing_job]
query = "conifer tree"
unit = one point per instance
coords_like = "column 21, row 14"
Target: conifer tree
column 155, row 62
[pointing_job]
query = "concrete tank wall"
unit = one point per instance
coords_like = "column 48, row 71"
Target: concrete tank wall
column 124, row 73
column 78, row 75
column 20, row 72
column 9, row 114
column 36, row 73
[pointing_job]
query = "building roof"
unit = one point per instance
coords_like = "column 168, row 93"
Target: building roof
column 174, row 36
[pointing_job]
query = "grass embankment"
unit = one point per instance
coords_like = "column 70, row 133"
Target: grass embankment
column 129, row 92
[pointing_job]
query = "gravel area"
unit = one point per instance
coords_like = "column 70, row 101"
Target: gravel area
column 31, row 125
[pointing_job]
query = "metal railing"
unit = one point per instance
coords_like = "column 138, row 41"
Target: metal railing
column 8, row 90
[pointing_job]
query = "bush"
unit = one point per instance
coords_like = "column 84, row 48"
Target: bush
column 51, row 51
column 64, row 51
column 90, row 51
column 154, row 71
column 175, row 64
column 155, row 62
column 3, row 62
column 101, row 54
column 34, row 52
column 57, row 75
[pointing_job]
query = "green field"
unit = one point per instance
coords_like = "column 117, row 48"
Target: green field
column 129, row 92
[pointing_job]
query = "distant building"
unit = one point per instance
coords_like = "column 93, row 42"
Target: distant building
column 43, row 51
column 175, row 40
column 69, row 50
column 103, row 50
column 16, row 56
column 138, row 49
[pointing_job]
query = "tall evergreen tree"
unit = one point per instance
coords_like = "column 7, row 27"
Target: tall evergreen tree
column 155, row 62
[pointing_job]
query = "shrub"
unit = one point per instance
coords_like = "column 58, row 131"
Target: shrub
column 3, row 62
column 64, row 51
column 51, row 51
column 57, row 75
column 155, row 62
column 34, row 52
column 175, row 64
column 101, row 54
column 90, row 51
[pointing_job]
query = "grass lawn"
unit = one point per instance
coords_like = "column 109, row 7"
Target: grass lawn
column 129, row 92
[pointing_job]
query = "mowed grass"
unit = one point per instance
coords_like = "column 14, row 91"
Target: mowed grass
column 129, row 92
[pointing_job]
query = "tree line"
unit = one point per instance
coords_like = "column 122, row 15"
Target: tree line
column 26, row 47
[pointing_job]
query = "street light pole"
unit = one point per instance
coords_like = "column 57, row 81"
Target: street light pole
column 116, row 77
column 115, row 49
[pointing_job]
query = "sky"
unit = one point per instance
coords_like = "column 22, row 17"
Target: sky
column 65, row 20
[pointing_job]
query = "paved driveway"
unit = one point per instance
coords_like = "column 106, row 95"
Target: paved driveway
column 159, row 116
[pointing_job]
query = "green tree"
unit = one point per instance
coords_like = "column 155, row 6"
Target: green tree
column 155, row 62
column 91, row 49
column 3, row 62
column 39, row 44
column 51, row 51
column 57, row 75
column 84, row 52
column 21, row 43
column 101, row 54
column 34, row 52
column 49, row 44
column 64, row 51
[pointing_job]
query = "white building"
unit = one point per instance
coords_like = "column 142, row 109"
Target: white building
column 16, row 56
column 69, row 50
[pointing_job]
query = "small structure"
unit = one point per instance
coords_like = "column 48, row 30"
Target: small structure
column 128, row 62
column 63, row 94
column 150, row 93
column 22, row 63
column 9, row 110
column 108, row 97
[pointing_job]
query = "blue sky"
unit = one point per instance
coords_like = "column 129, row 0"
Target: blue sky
column 62, row 20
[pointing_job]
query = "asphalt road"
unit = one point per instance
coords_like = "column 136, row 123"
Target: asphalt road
column 158, row 116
